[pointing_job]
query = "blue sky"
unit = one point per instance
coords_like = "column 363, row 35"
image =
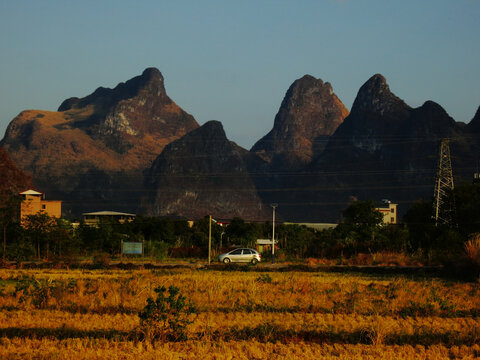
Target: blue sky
column 233, row 61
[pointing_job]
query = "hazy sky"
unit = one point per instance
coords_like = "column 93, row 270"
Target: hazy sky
column 233, row 61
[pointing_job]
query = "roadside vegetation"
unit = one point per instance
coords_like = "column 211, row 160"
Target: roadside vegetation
column 359, row 240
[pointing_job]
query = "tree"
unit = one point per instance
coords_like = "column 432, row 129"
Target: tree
column 12, row 182
column 20, row 247
column 361, row 222
column 297, row 239
column 39, row 228
column 9, row 212
column 393, row 238
column 200, row 230
column 154, row 229
column 362, row 214
column 105, row 237
column 467, row 201
column 65, row 240
column 421, row 227
column 241, row 233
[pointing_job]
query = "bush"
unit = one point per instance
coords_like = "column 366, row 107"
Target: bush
column 472, row 248
column 188, row 252
column 40, row 293
column 159, row 250
column 101, row 261
column 167, row 317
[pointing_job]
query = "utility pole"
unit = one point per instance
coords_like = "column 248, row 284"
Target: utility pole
column 4, row 242
column 443, row 208
column 221, row 239
column 209, row 238
column 273, row 232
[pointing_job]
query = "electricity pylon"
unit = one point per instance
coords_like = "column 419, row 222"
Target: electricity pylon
column 443, row 207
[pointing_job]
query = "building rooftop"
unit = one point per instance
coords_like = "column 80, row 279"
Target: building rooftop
column 31, row 192
column 265, row 241
column 109, row 213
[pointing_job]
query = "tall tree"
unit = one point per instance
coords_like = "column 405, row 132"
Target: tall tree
column 241, row 233
column 421, row 226
column 467, row 201
column 39, row 228
column 361, row 221
column 12, row 182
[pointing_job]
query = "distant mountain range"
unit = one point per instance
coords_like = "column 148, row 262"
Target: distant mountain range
column 132, row 148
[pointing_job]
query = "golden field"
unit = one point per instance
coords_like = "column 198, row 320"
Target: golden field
column 93, row 314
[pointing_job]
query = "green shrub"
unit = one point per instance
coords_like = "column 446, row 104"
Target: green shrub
column 167, row 317
column 159, row 250
column 40, row 293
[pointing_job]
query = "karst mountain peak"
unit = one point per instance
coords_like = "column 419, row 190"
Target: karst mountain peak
column 132, row 148
column 308, row 114
column 90, row 139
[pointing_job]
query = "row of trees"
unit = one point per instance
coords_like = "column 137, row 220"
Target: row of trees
column 41, row 236
column 361, row 231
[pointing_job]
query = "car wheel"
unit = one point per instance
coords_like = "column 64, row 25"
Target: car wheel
column 254, row 261
column 226, row 261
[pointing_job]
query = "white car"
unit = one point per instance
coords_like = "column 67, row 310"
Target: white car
column 241, row 255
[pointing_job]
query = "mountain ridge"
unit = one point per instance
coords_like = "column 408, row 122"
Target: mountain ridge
column 117, row 147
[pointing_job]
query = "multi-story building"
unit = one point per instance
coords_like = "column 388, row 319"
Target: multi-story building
column 34, row 202
column 389, row 212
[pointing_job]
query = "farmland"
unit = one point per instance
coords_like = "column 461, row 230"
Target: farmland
column 84, row 313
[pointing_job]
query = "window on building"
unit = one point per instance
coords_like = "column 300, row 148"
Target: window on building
column 43, row 206
column 392, row 210
column 392, row 220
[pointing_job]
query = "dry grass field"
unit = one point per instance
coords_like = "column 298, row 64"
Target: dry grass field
column 93, row 314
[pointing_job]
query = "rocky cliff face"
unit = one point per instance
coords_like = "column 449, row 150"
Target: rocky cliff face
column 308, row 115
column 131, row 110
column 106, row 138
column 203, row 173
